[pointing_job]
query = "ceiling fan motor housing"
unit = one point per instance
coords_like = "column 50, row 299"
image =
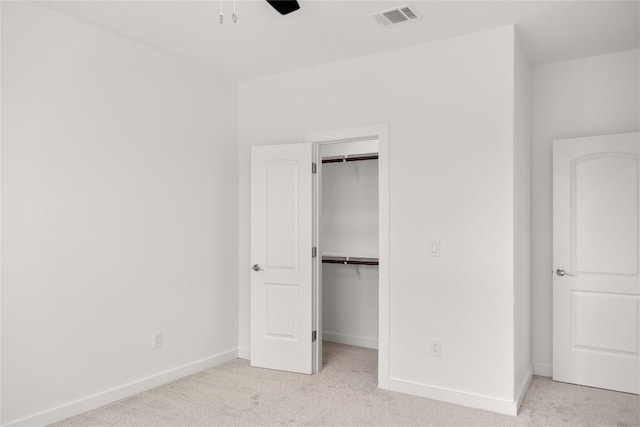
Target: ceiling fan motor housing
column 284, row 6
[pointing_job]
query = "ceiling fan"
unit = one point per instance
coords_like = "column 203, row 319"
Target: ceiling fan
column 284, row 6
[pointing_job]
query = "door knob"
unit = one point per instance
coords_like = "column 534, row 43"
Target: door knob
column 256, row 267
column 560, row 272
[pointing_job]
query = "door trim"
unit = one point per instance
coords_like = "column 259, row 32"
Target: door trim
column 381, row 133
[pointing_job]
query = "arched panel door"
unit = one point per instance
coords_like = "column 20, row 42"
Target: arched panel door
column 281, row 258
column 596, row 258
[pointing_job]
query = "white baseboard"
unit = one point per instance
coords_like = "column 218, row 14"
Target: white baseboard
column 451, row 396
column 522, row 390
column 97, row 400
column 543, row 370
column 349, row 339
column 244, row 353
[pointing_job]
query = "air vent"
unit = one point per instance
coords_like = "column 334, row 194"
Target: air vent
column 397, row 15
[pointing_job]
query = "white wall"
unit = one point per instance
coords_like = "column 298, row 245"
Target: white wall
column 522, row 222
column 449, row 105
column 584, row 97
column 349, row 227
column 119, row 215
column 349, row 223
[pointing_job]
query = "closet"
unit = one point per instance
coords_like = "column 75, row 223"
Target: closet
column 348, row 237
column 319, row 247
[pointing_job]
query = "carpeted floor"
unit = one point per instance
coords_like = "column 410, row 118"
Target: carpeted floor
column 344, row 393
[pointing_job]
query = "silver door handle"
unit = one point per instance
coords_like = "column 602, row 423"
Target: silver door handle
column 256, row 267
column 560, row 272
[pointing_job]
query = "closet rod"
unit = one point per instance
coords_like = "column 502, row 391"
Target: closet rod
column 349, row 260
column 350, row 159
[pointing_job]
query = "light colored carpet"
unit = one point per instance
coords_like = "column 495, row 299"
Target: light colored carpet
column 344, row 393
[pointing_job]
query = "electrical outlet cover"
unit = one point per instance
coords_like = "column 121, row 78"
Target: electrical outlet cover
column 436, row 347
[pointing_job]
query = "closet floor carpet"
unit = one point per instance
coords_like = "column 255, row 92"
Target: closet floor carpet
column 344, row 393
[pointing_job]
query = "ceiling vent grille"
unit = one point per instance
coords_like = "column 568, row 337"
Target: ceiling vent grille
column 397, row 15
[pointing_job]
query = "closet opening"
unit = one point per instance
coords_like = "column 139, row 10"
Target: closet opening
column 347, row 240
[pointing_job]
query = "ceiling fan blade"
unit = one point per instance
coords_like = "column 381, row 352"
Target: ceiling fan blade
column 284, row 6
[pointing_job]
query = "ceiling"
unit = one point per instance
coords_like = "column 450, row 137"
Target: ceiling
column 264, row 42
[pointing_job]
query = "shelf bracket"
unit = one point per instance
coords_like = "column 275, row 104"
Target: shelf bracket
column 359, row 271
column 354, row 167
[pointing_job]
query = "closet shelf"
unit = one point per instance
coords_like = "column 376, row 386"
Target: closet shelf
column 343, row 159
column 349, row 260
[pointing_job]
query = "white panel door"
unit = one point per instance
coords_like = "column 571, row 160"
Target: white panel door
column 281, row 243
column 596, row 258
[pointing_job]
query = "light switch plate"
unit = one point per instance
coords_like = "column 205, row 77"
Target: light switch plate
column 434, row 247
column 156, row 339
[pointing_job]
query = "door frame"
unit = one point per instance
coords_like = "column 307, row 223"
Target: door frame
column 381, row 133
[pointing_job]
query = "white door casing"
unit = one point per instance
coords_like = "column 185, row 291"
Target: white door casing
column 281, row 244
column 596, row 238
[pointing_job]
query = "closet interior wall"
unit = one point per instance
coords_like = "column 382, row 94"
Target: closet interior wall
column 349, row 227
